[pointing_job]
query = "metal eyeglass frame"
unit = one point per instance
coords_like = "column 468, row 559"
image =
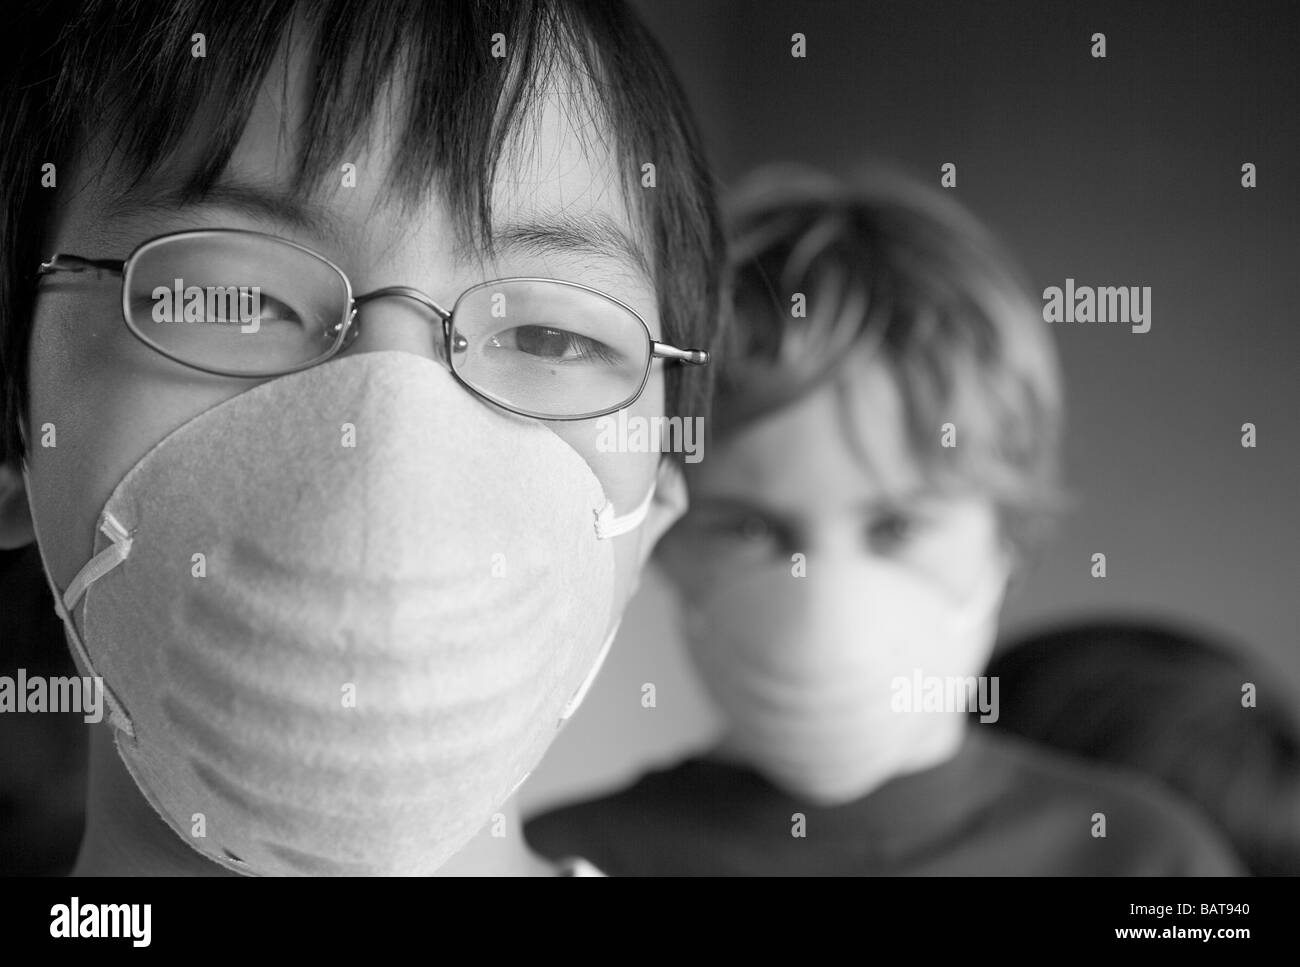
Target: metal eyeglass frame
column 348, row 328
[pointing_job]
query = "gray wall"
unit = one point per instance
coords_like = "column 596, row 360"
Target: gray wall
column 1121, row 171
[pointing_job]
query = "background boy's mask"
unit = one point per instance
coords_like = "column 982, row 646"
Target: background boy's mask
column 804, row 670
column 340, row 615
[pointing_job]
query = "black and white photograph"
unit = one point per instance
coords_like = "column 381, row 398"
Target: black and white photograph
column 651, row 438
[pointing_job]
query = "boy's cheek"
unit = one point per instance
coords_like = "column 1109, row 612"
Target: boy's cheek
column 962, row 550
column 99, row 401
column 688, row 564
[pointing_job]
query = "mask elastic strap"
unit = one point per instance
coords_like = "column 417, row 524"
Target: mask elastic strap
column 590, row 680
column 103, row 562
column 577, row 699
column 608, row 525
column 94, row 569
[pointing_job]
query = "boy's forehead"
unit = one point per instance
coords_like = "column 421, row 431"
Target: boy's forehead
column 560, row 182
column 558, row 191
column 843, row 444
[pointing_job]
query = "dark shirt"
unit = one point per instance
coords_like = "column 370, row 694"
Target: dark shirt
column 1000, row 806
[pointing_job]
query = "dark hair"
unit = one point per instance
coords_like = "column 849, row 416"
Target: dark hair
column 894, row 270
column 1168, row 702
column 124, row 70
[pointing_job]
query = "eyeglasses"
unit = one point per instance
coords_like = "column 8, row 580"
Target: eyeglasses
column 246, row 304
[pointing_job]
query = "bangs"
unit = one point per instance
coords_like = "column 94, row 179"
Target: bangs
column 461, row 106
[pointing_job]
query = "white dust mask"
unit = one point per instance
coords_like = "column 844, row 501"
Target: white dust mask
column 808, row 671
column 340, row 615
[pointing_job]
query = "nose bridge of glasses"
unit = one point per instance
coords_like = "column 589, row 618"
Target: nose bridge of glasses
column 438, row 313
column 403, row 292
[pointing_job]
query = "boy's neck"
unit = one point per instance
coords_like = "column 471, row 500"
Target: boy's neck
column 125, row 837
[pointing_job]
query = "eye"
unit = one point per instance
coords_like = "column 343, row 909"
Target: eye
column 269, row 309
column 891, row 531
column 553, row 343
column 753, row 528
column 747, row 534
column 217, row 304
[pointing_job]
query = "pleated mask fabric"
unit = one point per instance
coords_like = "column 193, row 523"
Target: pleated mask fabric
column 401, row 592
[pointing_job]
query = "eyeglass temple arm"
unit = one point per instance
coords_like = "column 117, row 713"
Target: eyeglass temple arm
column 696, row 357
column 75, row 263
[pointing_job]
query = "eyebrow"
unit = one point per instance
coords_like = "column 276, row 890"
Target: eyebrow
column 253, row 200
column 593, row 234
column 914, row 499
column 744, row 505
column 917, row 498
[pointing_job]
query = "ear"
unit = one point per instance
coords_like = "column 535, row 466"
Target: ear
column 669, row 503
column 15, row 515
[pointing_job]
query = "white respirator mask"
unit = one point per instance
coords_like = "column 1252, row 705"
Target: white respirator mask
column 340, row 616
column 808, row 670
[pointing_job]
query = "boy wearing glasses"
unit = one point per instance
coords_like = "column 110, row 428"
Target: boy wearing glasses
column 884, row 449
column 308, row 315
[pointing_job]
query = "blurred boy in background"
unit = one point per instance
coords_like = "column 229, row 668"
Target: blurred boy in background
column 883, row 455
